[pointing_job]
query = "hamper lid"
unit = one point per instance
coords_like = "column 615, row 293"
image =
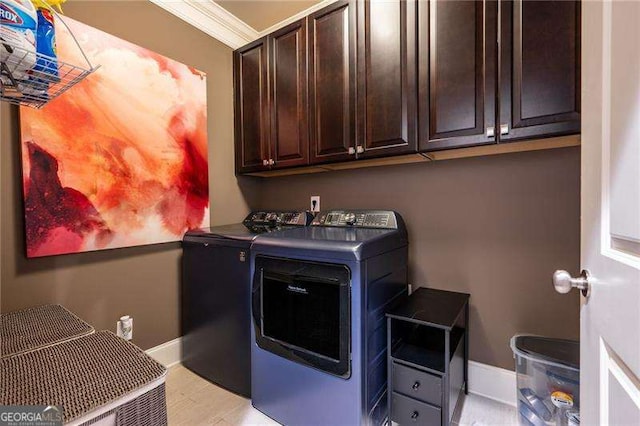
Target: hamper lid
column 81, row 375
column 34, row 328
column 565, row 353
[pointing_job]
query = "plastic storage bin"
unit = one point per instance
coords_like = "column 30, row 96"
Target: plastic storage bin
column 548, row 380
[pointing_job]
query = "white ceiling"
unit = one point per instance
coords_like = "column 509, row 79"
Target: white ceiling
column 262, row 14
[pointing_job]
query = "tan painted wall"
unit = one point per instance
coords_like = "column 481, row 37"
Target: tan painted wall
column 496, row 227
column 143, row 281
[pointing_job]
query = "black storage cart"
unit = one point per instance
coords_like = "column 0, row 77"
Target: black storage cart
column 428, row 356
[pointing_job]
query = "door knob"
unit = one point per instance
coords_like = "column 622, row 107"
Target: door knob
column 564, row 282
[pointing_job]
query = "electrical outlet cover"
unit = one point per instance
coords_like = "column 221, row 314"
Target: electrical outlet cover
column 124, row 328
column 315, row 203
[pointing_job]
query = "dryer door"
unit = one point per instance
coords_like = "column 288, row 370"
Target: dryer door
column 302, row 312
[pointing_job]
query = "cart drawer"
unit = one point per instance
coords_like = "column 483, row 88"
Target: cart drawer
column 408, row 411
column 417, row 384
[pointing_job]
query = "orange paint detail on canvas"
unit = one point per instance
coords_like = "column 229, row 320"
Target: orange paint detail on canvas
column 120, row 159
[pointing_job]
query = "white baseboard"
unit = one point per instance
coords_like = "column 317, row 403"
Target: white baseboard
column 492, row 382
column 168, row 353
column 484, row 380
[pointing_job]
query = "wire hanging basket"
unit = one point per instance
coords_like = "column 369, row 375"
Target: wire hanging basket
column 22, row 83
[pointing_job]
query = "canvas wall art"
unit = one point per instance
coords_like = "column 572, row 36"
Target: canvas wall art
column 120, row 159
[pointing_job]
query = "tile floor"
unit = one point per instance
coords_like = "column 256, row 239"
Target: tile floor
column 193, row 401
column 480, row 411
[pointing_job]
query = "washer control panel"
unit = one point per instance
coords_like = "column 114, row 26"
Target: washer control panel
column 298, row 218
column 383, row 219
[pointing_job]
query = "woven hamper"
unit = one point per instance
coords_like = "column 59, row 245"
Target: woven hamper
column 99, row 379
column 35, row 328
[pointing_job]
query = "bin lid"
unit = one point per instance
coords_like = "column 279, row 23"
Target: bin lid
column 546, row 349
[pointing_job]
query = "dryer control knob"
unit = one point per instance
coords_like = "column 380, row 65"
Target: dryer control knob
column 350, row 218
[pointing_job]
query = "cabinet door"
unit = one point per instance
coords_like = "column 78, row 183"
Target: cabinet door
column 540, row 68
column 288, row 86
column 332, row 81
column 457, row 73
column 251, row 107
column 386, row 77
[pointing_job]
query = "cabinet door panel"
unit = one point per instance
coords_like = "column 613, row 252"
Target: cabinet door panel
column 251, row 107
column 387, row 76
column 540, row 68
column 288, row 74
column 457, row 71
column 332, row 82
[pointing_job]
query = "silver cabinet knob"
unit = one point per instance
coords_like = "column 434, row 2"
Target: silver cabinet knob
column 265, row 162
column 352, row 150
column 563, row 282
column 271, row 162
column 359, row 149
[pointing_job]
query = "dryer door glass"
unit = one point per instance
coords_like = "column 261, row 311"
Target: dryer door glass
column 302, row 312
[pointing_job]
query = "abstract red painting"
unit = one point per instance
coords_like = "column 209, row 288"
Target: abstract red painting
column 120, row 159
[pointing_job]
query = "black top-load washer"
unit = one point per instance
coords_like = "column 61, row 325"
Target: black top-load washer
column 216, row 295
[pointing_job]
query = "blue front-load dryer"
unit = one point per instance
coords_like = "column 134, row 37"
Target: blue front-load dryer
column 319, row 297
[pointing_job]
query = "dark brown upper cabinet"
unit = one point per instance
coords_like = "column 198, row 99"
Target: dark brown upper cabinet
column 288, row 88
column 332, row 82
column 362, row 79
column 251, row 107
column 457, row 73
column 386, row 78
column 540, row 69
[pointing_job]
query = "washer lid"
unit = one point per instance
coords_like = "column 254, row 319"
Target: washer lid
column 236, row 231
column 545, row 349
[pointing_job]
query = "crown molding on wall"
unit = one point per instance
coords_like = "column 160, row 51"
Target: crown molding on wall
column 296, row 17
column 211, row 18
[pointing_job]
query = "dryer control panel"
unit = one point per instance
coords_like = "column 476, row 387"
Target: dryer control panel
column 298, row 218
column 382, row 219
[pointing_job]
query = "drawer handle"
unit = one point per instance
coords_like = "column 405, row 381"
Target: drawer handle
column 414, row 416
column 416, row 385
